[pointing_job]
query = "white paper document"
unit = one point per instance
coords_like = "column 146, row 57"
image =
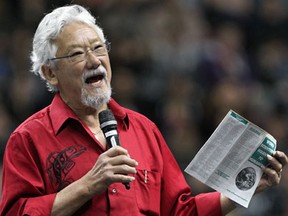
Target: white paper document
column 231, row 159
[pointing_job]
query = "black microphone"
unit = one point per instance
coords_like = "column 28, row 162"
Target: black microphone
column 108, row 125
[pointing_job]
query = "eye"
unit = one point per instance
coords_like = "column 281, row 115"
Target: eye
column 98, row 47
column 75, row 54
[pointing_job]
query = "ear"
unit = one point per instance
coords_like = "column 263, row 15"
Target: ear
column 49, row 75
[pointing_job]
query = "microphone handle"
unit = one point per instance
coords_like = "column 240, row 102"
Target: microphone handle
column 114, row 141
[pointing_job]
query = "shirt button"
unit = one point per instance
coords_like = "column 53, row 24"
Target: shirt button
column 114, row 190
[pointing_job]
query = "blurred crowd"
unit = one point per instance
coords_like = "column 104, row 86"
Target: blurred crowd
column 182, row 63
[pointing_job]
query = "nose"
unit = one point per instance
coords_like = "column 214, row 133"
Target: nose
column 92, row 60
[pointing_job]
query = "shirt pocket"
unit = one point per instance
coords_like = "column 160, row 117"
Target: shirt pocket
column 148, row 191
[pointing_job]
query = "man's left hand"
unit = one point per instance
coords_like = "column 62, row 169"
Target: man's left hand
column 272, row 173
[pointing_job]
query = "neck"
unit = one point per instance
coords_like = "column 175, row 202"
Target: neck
column 92, row 121
column 88, row 115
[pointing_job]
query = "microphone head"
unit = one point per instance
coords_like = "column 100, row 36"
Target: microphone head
column 106, row 115
column 107, row 119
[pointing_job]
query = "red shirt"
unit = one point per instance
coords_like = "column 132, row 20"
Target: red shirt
column 54, row 148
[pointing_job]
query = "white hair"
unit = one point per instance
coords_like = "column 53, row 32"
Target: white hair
column 49, row 28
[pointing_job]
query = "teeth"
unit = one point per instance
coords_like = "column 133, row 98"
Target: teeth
column 93, row 77
column 90, row 75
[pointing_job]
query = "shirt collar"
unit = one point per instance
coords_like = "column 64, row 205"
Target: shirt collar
column 120, row 114
column 61, row 112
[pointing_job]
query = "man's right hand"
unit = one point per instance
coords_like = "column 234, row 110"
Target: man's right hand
column 112, row 166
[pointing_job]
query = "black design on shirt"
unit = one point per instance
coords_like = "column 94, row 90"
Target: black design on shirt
column 59, row 164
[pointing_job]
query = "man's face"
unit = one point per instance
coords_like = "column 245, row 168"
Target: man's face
column 83, row 80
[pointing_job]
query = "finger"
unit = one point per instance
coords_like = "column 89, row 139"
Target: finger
column 273, row 177
column 274, row 163
column 123, row 160
column 124, row 170
column 116, row 150
column 281, row 157
column 123, row 174
column 122, row 178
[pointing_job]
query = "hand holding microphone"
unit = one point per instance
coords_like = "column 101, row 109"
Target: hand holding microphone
column 108, row 125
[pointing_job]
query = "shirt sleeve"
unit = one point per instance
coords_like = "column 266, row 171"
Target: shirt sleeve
column 23, row 188
column 176, row 198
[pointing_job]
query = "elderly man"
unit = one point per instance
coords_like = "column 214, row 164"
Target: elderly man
column 58, row 161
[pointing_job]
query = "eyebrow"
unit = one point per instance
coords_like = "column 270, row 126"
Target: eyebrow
column 76, row 45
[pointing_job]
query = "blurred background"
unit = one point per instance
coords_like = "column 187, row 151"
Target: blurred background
column 182, row 63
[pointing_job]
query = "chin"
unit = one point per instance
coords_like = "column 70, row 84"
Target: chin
column 97, row 100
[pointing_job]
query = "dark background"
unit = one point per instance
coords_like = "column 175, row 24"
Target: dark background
column 182, row 63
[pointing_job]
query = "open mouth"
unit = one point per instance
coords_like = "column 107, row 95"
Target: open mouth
column 94, row 78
